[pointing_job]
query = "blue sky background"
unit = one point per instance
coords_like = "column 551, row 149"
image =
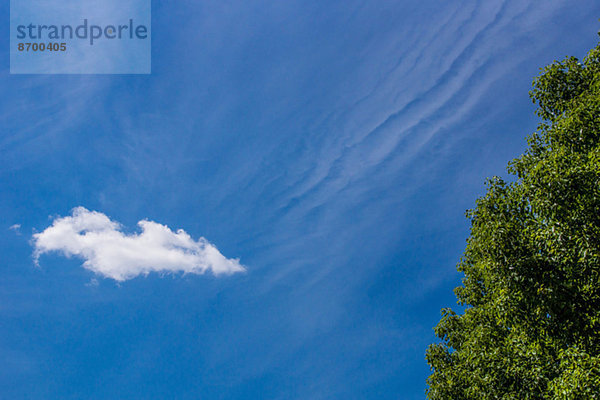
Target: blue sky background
column 333, row 146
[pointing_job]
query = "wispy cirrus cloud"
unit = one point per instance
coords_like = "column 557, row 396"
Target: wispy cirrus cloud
column 111, row 253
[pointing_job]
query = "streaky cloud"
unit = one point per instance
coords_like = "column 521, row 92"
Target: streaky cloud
column 111, row 253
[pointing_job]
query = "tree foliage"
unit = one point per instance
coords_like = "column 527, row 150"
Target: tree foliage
column 531, row 287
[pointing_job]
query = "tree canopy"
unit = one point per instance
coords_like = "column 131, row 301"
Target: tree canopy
column 531, row 288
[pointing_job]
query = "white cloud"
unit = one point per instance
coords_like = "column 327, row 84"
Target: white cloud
column 111, row 253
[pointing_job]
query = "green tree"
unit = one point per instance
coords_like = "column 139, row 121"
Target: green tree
column 531, row 288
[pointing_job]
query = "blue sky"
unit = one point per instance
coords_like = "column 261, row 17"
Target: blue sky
column 331, row 146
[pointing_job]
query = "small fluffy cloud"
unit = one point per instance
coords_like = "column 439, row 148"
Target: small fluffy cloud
column 109, row 252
